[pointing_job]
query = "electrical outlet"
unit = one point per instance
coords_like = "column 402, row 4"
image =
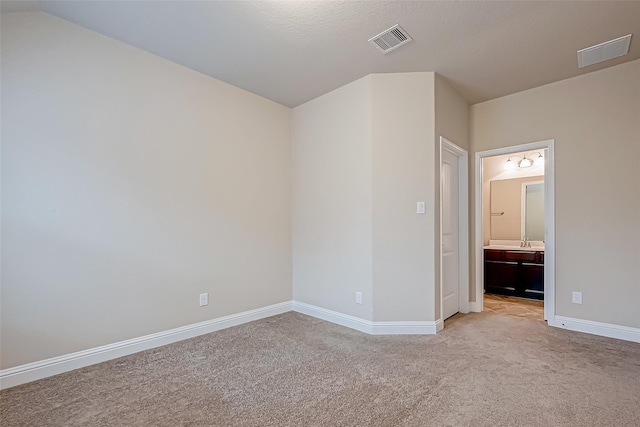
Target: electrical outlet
column 358, row 297
column 576, row 297
column 204, row 299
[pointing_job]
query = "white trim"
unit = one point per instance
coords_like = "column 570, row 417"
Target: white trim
column 549, row 223
column 463, row 222
column 478, row 305
column 597, row 328
column 57, row 365
column 549, row 234
column 334, row 317
column 367, row 326
column 407, row 328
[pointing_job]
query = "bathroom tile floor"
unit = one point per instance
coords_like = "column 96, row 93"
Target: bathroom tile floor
column 531, row 309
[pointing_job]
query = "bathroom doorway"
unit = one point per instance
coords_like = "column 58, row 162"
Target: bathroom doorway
column 515, row 230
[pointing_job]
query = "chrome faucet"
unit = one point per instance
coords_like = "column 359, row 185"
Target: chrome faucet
column 525, row 243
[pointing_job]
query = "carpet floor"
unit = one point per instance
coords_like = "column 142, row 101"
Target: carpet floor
column 483, row 369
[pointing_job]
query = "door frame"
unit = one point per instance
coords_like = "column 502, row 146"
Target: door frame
column 463, row 223
column 549, row 224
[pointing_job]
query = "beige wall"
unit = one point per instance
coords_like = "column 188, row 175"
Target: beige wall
column 363, row 156
column 129, row 186
column 332, row 200
column 452, row 122
column 403, row 162
column 597, row 195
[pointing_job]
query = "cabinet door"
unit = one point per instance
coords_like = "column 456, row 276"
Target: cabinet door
column 501, row 277
column 533, row 280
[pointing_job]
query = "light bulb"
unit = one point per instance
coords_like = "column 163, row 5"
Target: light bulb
column 509, row 165
column 539, row 161
column 525, row 163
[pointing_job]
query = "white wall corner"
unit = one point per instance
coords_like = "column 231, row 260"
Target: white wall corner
column 46, row 368
column 609, row 330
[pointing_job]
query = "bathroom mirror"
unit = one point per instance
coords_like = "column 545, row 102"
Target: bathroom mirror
column 533, row 210
column 517, row 208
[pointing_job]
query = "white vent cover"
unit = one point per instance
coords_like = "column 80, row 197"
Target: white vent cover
column 604, row 51
column 390, row 39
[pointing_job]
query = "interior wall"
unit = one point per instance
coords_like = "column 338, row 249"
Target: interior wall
column 597, row 196
column 452, row 116
column 403, row 162
column 363, row 156
column 130, row 185
column 332, row 200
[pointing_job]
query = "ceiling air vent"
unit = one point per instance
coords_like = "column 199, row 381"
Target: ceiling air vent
column 604, row 51
column 390, row 39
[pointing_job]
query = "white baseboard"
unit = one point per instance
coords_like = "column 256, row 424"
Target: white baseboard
column 333, row 316
column 597, row 328
column 367, row 326
column 475, row 307
column 57, row 365
column 407, row 328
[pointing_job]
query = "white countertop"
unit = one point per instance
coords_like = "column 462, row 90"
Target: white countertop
column 514, row 245
column 514, row 248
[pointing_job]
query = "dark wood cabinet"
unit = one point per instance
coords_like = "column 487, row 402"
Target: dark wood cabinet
column 514, row 273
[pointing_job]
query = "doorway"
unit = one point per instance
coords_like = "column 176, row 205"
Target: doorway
column 484, row 213
column 454, row 229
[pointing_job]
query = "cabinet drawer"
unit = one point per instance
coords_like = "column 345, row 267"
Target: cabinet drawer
column 492, row 255
column 520, row 255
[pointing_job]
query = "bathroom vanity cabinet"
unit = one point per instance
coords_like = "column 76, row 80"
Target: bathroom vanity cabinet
column 515, row 272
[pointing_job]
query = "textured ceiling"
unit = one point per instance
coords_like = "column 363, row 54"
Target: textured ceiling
column 294, row 51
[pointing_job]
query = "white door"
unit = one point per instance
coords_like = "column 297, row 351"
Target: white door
column 450, row 251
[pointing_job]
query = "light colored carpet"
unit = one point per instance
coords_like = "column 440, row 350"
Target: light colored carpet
column 484, row 369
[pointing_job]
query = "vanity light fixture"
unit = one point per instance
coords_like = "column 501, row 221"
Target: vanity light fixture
column 539, row 161
column 510, row 164
column 524, row 161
